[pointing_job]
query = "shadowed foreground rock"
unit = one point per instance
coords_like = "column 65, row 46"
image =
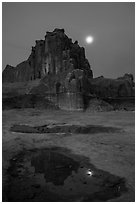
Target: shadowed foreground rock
column 57, row 175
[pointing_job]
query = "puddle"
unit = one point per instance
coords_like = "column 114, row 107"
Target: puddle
column 64, row 128
column 57, row 175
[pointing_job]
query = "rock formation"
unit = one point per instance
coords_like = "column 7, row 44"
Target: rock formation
column 114, row 88
column 60, row 64
column 53, row 55
column 66, row 78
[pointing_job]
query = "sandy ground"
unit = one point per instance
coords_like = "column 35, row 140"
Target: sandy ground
column 112, row 152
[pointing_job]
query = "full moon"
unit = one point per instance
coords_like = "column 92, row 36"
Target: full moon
column 89, row 39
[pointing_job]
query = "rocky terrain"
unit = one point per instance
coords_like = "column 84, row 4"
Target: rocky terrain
column 47, row 156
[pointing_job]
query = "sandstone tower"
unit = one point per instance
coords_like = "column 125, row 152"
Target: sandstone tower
column 62, row 67
column 53, row 55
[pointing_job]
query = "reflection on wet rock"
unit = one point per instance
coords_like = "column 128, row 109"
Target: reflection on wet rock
column 55, row 174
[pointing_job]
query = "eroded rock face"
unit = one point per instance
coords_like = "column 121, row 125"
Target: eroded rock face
column 8, row 74
column 66, row 88
column 66, row 78
column 62, row 67
column 53, row 55
column 114, row 88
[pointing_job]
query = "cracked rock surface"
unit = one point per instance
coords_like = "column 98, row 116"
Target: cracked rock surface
column 109, row 151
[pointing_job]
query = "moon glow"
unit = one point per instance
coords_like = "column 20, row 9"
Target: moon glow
column 89, row 39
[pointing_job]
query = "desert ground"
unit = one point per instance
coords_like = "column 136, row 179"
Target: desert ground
column 113, row 152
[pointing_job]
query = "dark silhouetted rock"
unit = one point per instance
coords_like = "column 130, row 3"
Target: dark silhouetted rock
column 105, row 87
column 65, row 77
column 99, row 105
column 8, row 74
column 53, row 55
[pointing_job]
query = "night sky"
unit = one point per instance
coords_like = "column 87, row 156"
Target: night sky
column 111, row 24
